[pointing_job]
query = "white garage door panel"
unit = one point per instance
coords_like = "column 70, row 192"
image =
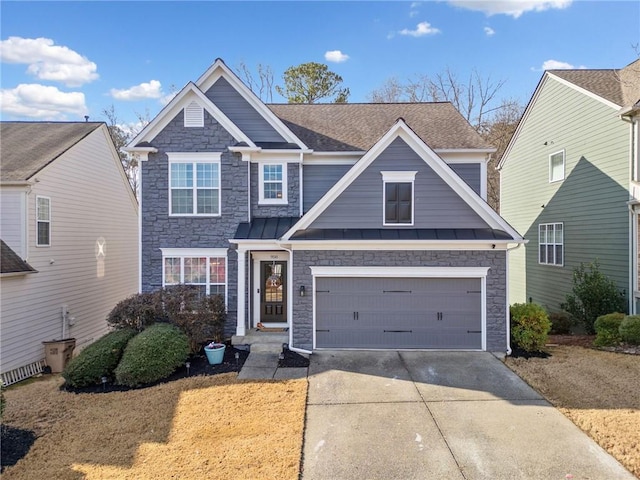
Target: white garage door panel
column 356, row 312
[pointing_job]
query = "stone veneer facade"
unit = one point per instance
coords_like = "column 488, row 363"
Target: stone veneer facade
column 496, row 299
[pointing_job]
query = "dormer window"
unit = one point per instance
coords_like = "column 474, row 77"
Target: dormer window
column 193, row 115
column 273, row 183
column 398, row 198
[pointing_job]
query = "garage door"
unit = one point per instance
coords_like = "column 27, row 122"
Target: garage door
column 353, row 312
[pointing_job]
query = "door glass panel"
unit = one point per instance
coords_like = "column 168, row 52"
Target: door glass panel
column 273, row 283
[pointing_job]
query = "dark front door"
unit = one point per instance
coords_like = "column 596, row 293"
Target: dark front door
column 273, row 292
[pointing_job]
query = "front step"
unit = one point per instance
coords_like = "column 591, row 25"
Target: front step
column 262, row 342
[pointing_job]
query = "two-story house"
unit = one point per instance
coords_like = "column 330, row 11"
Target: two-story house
column 69, row 230
column 570, row 183
column 351, row 225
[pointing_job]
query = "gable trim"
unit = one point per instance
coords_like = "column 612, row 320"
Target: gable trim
column 401, row 130
column 181, row 101
column 219, row 69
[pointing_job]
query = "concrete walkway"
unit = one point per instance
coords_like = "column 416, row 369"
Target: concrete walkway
column 264, row 366
column 438, row 415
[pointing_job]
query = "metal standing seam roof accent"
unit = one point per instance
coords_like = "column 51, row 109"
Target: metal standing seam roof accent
column 28, row 147
column 10, row 261
column 460, row 234
column 265, row 228
column 358, row 126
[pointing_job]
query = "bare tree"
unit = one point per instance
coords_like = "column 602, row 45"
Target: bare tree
column 120, row 138
column 263, row 85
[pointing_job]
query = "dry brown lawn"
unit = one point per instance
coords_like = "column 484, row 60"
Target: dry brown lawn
column 200, row 427
column 599, row 391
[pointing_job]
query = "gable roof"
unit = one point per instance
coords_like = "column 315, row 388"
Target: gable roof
column 28, row 147
column 619, row 86
column 619, row 89
column 337, row 127
column 11, row 263
column 401, row 130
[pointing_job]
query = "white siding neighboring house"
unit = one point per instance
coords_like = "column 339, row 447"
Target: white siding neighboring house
column 69, row 224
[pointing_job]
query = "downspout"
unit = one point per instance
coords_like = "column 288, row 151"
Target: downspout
column 508, row 319
column 300, row 186
column 290, row 302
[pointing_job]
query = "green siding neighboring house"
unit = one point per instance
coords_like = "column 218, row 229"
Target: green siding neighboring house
column 567, row 182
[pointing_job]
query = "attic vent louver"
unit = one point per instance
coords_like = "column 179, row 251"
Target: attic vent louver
column 193, row 115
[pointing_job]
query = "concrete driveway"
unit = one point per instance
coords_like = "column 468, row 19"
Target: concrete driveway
column 438, row 415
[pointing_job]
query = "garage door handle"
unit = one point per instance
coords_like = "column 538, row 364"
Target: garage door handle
column 356, row 315
column 474, row 331
column 324, row 331
column 398, row 331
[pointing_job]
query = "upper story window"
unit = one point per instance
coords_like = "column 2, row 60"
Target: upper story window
column 556, row 167
column 273, row 183
column 43, row 222
column 194, row 183
column 398, row 197
column 193, row 115
column 551, row 243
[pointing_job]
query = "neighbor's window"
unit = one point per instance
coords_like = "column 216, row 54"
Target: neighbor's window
column 551, row 241
column 43, row 221
column 194, row 184
column 273, row 183
column 556, row 166
column 206, row 272
column 398, row 197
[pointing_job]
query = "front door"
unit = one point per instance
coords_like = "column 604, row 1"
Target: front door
column 273, row 292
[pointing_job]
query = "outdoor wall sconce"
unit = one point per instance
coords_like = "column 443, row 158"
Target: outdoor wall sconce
column 303, row 292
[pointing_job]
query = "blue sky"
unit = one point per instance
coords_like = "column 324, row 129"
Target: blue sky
column 64, row 60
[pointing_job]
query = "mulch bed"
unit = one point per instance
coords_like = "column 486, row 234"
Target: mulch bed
column 14, row 444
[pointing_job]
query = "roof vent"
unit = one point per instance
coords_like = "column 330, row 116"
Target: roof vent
column 194, row 115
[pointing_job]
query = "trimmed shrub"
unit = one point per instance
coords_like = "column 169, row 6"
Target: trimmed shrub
column 594, row 294
column 607, row 329
column 152, row 355
column 630, row 329
column 98, row 359
column 561, row 323
column 136, row 312
column 530, row 326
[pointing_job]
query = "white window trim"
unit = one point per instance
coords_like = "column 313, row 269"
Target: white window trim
column 398, row 177
column 209, row 253
column 554, row 245
column 564, row 163
column 196, row 157
column 196, row 117
column 38, row 244
column 273, row 201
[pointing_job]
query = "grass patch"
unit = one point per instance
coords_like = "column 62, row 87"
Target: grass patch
column 213, row 426
column 596, row 390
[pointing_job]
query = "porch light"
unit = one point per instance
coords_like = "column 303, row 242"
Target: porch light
column 302, row 291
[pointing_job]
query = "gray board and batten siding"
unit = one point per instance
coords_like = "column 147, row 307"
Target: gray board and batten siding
column 436, row 204
column 398, row 313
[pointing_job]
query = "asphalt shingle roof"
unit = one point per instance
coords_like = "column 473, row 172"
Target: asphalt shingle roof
column 620, row 86
column 27, row 147
column 10, row 261
column 358, row 126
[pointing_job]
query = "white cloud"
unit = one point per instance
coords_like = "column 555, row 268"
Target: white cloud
column 489, row 32
column 42, row 102
column 48, row 61
column 336, row 56
column 514, row 8
column 558, row 65
column 422, row 29
column 414, row 9
column 152, row 89
column 167, row 98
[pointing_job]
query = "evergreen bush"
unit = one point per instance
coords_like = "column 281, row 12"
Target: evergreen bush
column 593, row 294
column 630, row 329
column 607, row 329
column 561, row 323
column 530, row 326
column 137, row 312
column 98, row 359
column 152, row 355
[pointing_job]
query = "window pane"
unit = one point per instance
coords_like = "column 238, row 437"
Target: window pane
column 543, row 234
column 559, row 253
column 43, row 233
column 171, row 270
column 559, row 233
column 557, row 167
column 43, row 209
column 543, row 254
column 207, row 175
column 181, row 175
column 216, row 290
column 272, row 173
column 272, row 190
column 195, row 270
column 217, row 269
column 181, row 201
column 208, row 201
column 550, row 234
column 550, row 254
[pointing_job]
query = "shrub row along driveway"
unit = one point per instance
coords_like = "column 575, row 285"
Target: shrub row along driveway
column 454, row 415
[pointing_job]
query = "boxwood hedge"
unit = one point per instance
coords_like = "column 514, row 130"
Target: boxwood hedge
column 152, row 355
